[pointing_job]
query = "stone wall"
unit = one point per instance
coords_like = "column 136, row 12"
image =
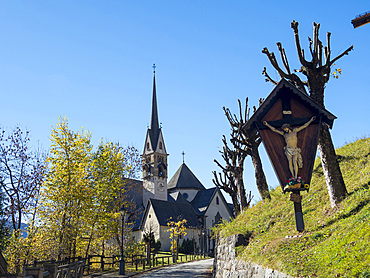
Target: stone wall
column 227, row 265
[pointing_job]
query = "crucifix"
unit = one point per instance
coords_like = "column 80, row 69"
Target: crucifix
column 289, row 123
column 293, row 154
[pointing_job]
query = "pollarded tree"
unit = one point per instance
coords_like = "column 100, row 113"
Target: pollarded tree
column 317, row 72
column 234, row 170
column 226, row 181
column 249, row 142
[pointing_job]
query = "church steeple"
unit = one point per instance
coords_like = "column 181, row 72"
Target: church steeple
column 154, row 123
column 154, row 156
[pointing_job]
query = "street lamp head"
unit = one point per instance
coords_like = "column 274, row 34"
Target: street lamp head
column 123, row 211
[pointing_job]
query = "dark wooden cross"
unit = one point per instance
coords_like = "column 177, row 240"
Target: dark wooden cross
column 295, row 196
column 288, row 105
column 287, row 116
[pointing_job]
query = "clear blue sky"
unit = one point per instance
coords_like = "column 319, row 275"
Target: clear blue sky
column 92, row 62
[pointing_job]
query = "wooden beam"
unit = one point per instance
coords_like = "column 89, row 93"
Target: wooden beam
column 361, row 19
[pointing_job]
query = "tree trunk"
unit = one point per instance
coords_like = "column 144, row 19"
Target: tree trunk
column 333, row 175
column 241, row 192
column 236, row 204
column 262, row 185
column 148, row 247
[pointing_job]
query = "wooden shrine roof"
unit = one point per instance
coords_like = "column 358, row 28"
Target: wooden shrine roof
column 302, row 97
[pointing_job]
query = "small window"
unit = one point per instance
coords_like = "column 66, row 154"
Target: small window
column 147, row 146
column 186, row 196
column 160, row 145
column 217, row 201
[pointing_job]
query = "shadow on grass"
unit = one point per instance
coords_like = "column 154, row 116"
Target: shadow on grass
column 361, row 187
column 353, row 211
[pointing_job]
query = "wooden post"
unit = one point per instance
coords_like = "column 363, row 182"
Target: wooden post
column 51, row 268
column 36, row 272
column 35, row 263
column 88, row 264
column 102, row 262
column 297, row 200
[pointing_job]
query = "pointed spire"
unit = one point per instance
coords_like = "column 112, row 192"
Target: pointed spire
column 154, row 124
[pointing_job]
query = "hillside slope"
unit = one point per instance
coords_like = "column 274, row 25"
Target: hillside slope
column 336, row 242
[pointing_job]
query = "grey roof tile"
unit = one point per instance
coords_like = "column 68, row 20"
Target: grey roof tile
column 165, row 211
column 202, row 200
column 184, row 178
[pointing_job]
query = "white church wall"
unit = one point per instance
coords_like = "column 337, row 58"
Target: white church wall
column 166, row 241
column 214, row 208
column 151, row 224
column 136, row 235
column 191, row 193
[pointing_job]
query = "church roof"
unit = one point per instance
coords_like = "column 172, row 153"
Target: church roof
column 133, row 191
column 184, row 178
column 166, row 211
column 202, row 200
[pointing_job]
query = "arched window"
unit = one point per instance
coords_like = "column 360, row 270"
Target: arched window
column 160, row 145
column 147, row 146
column 217, row 201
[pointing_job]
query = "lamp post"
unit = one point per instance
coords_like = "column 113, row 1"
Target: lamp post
column 122, row 260
column 204, row 245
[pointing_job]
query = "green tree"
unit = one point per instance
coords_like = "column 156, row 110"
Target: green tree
column 83, row 193
column 108, row 170
column 67, row 193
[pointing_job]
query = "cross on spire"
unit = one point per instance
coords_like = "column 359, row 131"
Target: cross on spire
column 154, row 66
column 183, row 157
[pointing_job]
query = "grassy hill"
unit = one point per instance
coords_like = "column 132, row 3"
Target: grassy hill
column 336, row 242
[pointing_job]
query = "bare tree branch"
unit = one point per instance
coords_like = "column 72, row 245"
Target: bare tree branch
column 300, row 52
column 341, row 55
column 268, row 78
column 283, row 57
column 317, row 72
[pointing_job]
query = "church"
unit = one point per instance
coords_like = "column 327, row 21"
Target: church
column 183, row 197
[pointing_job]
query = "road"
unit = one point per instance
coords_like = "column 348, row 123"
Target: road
column 186, row 270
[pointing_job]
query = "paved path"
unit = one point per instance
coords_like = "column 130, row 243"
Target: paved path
column 186, row 270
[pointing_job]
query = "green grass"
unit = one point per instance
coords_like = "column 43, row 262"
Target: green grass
column 335, row 243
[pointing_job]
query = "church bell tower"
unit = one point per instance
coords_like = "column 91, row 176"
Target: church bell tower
column 154, row 157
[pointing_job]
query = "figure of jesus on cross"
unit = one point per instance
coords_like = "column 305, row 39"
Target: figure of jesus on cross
column 292, row 152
